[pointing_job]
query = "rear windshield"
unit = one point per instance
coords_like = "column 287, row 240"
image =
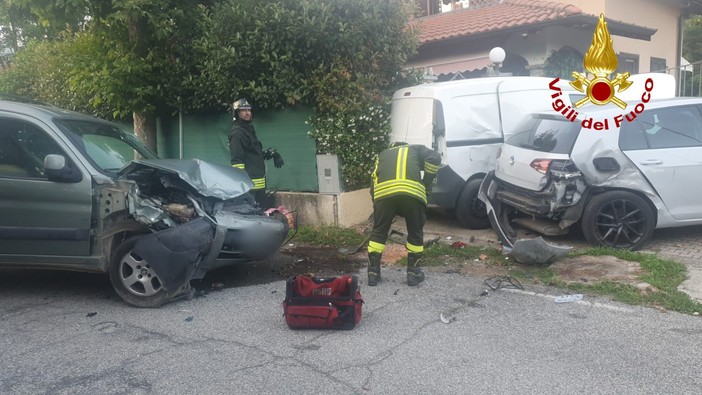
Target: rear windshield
column 547, row 135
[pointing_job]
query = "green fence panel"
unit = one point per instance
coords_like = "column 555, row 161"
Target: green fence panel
column 205, row 137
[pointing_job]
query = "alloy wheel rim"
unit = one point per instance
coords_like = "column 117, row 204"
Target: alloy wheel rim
column 138, row 277
column 620, row 223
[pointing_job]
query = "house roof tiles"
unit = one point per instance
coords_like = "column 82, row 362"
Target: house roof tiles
column 509, row 13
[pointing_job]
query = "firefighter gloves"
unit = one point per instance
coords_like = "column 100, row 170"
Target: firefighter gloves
column 278, row 160
column 272, row 153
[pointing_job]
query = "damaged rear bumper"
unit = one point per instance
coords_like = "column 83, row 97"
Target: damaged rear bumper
column 528, row 251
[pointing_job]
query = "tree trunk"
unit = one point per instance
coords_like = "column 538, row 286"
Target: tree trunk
column 145, row 128
column 144, row 120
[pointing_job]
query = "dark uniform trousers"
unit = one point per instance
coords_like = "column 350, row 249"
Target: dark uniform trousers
column 411, row 209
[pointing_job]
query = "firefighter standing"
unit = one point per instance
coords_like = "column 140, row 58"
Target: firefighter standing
column 247, row 152
column 399, row 189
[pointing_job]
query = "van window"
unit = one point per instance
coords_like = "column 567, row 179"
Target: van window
column 547, row 135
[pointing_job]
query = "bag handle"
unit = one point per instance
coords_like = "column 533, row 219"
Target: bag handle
column 352, row 281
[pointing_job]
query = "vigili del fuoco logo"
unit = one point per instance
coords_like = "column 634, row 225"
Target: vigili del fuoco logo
column 600, row 61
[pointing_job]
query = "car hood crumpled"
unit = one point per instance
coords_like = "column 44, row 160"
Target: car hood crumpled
column 208, row 179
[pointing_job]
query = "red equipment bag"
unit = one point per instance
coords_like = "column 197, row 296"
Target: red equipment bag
column 322, row 303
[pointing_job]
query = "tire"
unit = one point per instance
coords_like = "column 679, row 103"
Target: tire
column 618, row 219
column 470, row 211
column 133, row 279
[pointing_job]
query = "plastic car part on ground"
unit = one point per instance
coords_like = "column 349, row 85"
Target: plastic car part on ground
column 527, row 251
column 535, row 251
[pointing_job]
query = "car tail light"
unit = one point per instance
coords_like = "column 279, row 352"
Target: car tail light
column 499, row 153
column 540, row 165
column 544, row 165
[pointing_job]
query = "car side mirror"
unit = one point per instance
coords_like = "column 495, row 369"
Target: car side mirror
column 56, row 168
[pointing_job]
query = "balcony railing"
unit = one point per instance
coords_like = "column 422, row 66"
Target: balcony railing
column 688, row 79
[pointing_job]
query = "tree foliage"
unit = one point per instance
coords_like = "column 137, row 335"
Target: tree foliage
column 130, row 57
column 692, row 39
column 344, row 58
column 563, row 63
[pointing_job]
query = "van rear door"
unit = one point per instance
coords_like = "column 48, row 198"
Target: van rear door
column 414, row 121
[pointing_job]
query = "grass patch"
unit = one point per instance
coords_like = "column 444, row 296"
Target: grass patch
column 664, row 274
column 441, row 254
column 537, row 274
column 328, row 235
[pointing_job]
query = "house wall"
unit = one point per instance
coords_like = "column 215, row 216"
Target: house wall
column 654, row 14
column 536, row 46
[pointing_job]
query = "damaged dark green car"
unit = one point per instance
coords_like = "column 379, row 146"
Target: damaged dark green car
column 78, row 193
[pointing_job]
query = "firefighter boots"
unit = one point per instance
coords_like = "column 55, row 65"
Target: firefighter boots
column 415, row 275
column 373, row 268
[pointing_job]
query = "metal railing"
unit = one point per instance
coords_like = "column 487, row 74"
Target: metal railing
column 688, row 79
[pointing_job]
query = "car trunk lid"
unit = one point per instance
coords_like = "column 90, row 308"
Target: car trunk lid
column 526, row 158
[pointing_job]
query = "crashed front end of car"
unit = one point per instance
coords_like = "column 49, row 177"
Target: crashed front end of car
column 201, row 217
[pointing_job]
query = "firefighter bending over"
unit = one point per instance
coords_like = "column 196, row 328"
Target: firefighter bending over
column 398, row 188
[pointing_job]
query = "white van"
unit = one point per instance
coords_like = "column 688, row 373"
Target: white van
column 467, row 121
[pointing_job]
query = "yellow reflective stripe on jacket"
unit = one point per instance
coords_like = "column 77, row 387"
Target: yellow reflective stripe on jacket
column 375, row 247
column 401, row 172
column 375, row 171
column 414, row 249
column 239, row 166
column 259, row 183
column 391, row 187
column 430, row 168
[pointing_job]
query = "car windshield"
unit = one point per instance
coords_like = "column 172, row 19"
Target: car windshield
column 108, row 147
column 547, row 135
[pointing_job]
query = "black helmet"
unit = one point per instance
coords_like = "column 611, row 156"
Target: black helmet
column 241, row 104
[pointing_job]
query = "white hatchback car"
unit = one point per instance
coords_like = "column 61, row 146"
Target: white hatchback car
column 618, row 183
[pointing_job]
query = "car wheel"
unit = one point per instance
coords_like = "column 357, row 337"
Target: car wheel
column 470, row 211
column 134, row 279
column 618, row 219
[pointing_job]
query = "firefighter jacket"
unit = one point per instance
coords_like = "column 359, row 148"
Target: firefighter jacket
column 247, row 152
column 398, row 172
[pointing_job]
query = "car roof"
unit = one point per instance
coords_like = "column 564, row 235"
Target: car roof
column 40, row 110
column 605, row 111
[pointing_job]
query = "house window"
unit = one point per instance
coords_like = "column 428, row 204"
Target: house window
column 658, row 65
column 628, row 62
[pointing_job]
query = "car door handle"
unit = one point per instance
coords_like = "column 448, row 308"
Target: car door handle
column 649, row 162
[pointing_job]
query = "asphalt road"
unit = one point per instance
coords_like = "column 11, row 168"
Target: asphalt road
column 68, row 334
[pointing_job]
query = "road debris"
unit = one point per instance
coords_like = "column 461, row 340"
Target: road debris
column 446, row 319
column 568, row 298
column 497, row 282
column 93, row 314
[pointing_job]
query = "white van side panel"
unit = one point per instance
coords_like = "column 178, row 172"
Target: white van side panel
column 471, row 117
column 469, row 160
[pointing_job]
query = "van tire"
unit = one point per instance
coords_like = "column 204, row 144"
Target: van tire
column 618, row 212
column 470, row 211
column 121, row 263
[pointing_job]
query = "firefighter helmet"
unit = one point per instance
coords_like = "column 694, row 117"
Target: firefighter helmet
column 241, row 104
